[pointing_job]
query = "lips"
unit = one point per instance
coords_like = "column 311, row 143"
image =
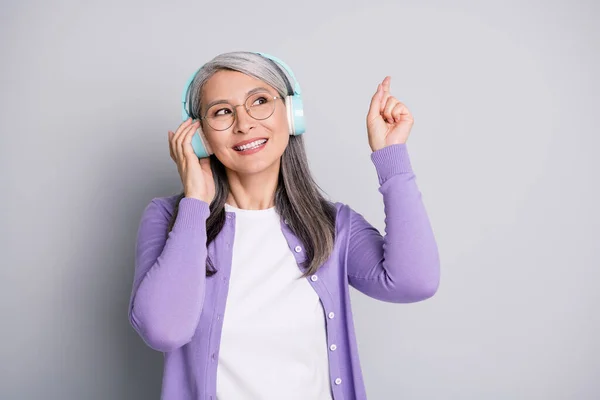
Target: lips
column 248, row 141
column 252, row 146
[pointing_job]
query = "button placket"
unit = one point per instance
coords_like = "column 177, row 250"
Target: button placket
column 328, row 303
column 216, row 332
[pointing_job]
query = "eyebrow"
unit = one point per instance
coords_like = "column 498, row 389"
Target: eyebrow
column 251, row 91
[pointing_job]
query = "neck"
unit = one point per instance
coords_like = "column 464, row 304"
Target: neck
column 253, row 191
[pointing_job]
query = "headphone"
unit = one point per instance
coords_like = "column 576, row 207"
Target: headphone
column 293, row 104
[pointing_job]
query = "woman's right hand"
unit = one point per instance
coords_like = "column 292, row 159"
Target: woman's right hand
column 195, row 172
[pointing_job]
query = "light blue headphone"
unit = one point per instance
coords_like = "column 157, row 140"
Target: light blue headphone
column 293, row 105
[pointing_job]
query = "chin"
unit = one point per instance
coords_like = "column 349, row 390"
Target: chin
column 254, row 166
column 255, row 163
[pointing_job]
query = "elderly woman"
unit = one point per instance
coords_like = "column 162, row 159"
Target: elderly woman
column 243, row 279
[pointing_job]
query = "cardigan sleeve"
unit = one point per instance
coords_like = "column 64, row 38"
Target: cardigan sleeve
column 170, row 274
column 403, row 265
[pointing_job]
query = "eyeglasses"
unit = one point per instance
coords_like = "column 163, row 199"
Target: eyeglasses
column 258, row 105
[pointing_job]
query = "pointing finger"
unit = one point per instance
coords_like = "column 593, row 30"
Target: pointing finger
column 387, row 83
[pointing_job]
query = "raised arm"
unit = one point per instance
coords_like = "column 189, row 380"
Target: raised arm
column 170, row 274
column 403, row 266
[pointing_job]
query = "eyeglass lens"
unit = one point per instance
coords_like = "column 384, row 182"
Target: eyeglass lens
column 259, row 105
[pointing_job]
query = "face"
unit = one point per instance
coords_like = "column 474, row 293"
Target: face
column 233, row 87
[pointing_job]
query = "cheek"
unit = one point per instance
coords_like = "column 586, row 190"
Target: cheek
column 280, row 123
column 216, row 139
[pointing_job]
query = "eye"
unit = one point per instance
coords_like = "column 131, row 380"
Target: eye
column 260, row 100
column 221, row 111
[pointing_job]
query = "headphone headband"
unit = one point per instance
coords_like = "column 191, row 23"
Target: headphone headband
column 297, row 90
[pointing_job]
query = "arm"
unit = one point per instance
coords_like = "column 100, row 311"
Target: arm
column 170, row 272
column 403, row 266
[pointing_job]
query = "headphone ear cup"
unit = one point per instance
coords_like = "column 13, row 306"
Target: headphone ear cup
column 295, row 114
column 200, row 144
column 288, row 113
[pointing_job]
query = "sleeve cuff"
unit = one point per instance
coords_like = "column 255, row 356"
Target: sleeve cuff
column 391, row 160
column 192, row 214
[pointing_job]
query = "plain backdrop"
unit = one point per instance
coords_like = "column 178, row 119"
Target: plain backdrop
column 505, row 97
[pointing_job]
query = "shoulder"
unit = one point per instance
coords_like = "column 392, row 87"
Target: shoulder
column 163, row 205
column 343, row 215
column 348, row 219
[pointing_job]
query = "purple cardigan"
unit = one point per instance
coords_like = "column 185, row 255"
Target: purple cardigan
column 177, row 310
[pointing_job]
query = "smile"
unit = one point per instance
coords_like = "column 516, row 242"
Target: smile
column 251, row 147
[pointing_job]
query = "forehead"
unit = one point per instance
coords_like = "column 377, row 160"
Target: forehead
column 230, row 85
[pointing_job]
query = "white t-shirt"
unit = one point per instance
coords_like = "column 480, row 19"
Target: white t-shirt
column 273, row 344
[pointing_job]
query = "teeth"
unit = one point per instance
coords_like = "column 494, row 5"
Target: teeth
column 251, row 145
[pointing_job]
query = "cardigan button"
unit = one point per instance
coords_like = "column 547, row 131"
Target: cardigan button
column 338, row 381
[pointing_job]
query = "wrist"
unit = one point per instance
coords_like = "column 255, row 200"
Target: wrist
column 197, row 197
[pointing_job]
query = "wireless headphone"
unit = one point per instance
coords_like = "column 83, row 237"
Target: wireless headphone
column 293, row 105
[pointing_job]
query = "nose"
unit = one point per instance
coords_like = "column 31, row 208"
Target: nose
column 243, row 121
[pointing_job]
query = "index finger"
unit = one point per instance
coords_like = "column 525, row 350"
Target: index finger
column 386, row 83
column 185, row 124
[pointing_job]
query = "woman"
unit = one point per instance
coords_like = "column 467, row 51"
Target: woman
column 243, row 279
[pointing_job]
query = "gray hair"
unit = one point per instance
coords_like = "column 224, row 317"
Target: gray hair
column 251, row 64
column 298, row 198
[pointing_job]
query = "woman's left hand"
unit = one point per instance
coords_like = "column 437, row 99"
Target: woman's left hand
column 388, row 120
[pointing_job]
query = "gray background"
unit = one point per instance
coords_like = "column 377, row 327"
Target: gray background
column 505, row 102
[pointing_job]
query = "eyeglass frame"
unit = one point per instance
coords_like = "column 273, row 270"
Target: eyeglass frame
column 235, row 111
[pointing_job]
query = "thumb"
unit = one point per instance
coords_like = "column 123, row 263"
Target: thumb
column 375, row 107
